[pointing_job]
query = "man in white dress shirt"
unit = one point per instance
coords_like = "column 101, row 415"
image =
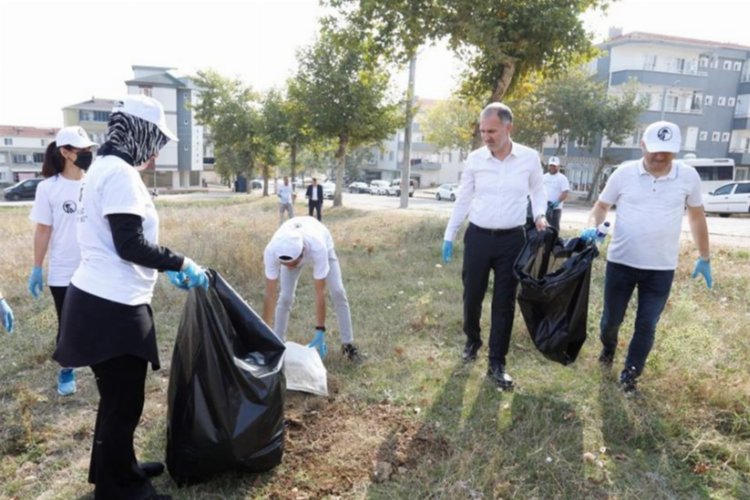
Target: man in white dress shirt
column 495, row 184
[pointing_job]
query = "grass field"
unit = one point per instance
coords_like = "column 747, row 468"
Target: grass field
column 412, row 421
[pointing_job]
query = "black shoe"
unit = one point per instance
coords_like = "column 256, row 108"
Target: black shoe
column 628, row 379
column 502, row 379
column 606, row 357
column 152, row 469
column 470, row 350
column 351, row 352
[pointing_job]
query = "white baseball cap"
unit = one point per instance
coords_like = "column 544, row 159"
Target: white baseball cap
column 553, row 160
column 145, row 108
column 662, row 137
column 287, row 246
column 73, row 136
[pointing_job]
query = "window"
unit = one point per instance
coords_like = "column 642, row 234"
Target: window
column 703, row 135
column 101, row 116
column 730, row 101
column 650, row 62
column 146, row 91
column 737, row 66
column 85, row 116
column 703, row 62
column 727, row 65
column 715, row 136
column 8, row 141
column 724, row 189
column 725, row 137
column 691, row 138
column 743, row 188
column 38, row 157
column 721, row 100
column 708, row 100
column 3, row 158
column 20, row 159
column 697, row 101
column 714, row 63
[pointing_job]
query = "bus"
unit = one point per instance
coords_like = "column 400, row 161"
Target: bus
column 714, row 172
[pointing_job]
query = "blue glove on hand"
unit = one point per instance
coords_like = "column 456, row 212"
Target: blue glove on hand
column 7, row 313
column 703, row 267
column 36, row 282
column 447, row 251
column 319, row 343
column 588, row 235
column 191, row 276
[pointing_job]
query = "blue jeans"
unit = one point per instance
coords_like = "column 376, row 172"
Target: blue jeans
column 653, row 292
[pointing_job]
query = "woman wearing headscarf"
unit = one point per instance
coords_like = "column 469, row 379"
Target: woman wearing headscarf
column 107, row 321
column 54, row 211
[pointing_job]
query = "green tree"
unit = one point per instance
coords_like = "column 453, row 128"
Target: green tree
column 286, row 122
column 531, row 122
column 450, row 124
column 344, row 90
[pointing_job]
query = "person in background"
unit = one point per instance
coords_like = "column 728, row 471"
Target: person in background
column 497, row 180
column 7, row 314
column 286, row 196
column 556, row 186
column 54, row 212
column 107, row 321
column 297, row 242
column 651, row 195
column 314, row 195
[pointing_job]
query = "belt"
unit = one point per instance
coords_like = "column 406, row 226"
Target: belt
column 495, row 232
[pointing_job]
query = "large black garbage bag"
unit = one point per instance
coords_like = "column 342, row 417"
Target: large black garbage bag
column 554, row 294
column 226, row 388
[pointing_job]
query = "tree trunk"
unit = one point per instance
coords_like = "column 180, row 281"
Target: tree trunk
column 406, row 166
column 597, row 175
column 265, row 180
column 293, row 160
column 340, row 169
column 501, row 87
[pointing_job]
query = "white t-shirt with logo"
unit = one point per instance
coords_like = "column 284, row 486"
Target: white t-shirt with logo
column 56, row 204
column 649, row 213
column 111, row 186
column 317, row 247
column 555, row 185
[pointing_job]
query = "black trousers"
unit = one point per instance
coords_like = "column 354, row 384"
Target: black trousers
column 114, row 468
column 314, row 205
column 58, row 295
column 487, row 251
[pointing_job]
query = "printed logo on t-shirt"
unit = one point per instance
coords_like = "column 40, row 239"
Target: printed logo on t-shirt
column 69, row 207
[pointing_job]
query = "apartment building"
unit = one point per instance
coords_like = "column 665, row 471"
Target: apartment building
column 22, row 152
column 702, row 86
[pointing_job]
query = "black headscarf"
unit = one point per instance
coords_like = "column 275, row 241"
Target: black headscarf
column 133, row 139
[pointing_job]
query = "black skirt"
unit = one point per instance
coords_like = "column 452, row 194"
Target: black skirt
column 93, row 330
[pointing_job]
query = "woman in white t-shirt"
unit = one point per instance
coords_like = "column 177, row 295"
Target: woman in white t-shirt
column 107, row 322
column 54, row 211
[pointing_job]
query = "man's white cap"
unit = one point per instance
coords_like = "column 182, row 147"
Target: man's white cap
column 553, row 160
column 662, row 137
column 145, row 108
column 287, row 246
column 73, row 136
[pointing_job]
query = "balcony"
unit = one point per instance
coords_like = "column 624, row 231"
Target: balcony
column 418, row 164
column 691, row 81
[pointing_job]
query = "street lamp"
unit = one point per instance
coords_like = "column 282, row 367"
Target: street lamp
column 664, row 97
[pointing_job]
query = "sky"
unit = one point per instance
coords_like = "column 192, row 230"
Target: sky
column 58, row 53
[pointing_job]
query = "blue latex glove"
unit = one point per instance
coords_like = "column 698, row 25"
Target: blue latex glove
column 36, row 282
column 447, row 251
column 7, row 314
column 319, row 343
column 588, row 235
column 703, row 267
column 191, row 276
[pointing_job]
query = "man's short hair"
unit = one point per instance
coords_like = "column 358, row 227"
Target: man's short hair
column 498, row 109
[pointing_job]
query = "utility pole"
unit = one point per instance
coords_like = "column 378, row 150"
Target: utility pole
column 406, row 166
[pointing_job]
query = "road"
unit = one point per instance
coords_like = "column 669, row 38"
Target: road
column 730, row 231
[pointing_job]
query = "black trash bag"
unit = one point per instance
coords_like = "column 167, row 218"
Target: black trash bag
column 226, row 388
column 554, row 294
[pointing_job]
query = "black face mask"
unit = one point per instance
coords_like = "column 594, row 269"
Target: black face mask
column 83, row 160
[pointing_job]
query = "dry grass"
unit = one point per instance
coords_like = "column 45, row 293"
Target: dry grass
column 411, row 422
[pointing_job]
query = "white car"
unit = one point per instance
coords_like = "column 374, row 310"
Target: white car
column 359, row 187
column 329, row 189
column 729, row 199
column 446, row 192
column 379, row 187
column 395, row 188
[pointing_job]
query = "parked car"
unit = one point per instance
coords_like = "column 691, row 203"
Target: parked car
column 24, row 190
column 379, row 187
column 395, row 188
column 359, row 187
column 729, row 199
column 446, row 192
column 329, row 190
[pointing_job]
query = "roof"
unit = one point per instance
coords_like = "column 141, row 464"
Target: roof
column 17, row 131
column 639, row 36
column 95, row 104
column 158, row 79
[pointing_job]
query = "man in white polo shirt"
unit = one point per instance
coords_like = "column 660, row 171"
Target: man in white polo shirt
column 556, row 186
column 299, row 241
column 651, row 195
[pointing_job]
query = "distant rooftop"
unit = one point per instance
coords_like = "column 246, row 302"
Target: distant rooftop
column 94, row 103
column 637, row 36
column 14, row 131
